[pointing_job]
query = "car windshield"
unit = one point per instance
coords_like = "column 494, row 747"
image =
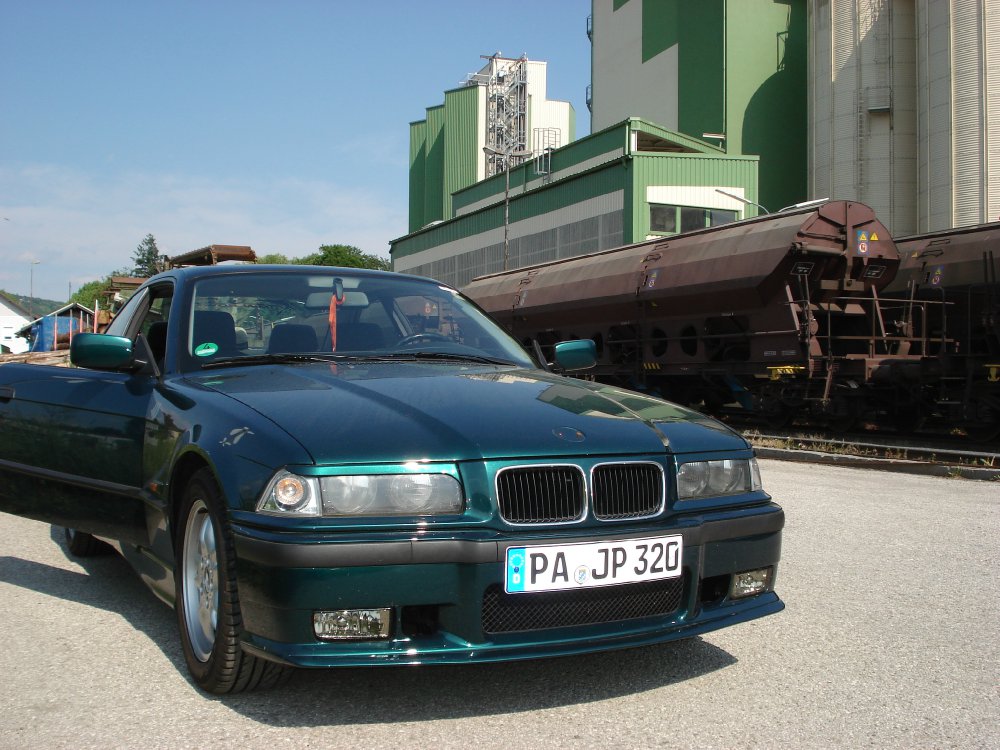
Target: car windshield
column 282, row 314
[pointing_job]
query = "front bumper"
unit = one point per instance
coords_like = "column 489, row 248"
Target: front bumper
column 439, row 591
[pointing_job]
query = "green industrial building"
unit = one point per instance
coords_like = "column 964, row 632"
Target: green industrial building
column 614, row 187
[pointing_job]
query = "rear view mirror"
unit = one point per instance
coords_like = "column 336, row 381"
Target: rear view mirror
column 99, row 351
column 576, row 355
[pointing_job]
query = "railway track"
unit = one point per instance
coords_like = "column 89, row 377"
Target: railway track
column 939, row 456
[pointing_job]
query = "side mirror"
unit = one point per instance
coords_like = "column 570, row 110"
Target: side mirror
column 576, row 355
column 99, row 351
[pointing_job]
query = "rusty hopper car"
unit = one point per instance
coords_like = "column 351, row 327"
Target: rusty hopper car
column 947, row 300
column 777, row 314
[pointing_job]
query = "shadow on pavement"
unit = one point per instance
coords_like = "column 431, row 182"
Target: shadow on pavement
column 414, row 694
column 383, row 694
column 108, row 583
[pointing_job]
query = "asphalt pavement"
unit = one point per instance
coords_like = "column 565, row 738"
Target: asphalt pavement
column 889, row 640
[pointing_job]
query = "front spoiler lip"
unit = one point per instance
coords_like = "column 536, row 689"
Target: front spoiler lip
column 456, row 651
column 281, row 554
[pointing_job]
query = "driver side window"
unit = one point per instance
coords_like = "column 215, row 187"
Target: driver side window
column 154, row 325
column 153, row 322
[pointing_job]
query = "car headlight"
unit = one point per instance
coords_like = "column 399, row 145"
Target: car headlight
column 728, row 476
column 391, row 495
column 290, row 494
column 413, row 494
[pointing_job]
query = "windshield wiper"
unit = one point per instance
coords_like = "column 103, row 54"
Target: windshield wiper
column 448, row 356
column 275, row 359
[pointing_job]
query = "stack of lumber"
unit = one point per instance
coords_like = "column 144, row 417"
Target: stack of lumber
column 60, row 358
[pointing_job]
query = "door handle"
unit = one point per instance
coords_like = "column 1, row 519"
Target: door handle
column 6, row 393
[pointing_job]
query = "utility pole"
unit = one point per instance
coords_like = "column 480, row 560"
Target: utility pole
column 31, row 288
column 507, row 154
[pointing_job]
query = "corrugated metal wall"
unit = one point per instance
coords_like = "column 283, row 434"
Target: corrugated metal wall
column 834, row 67
column 584, row 226
column 418, row 167
column 864, row 112
column 968, row 93
column 461, row 141
column 434, row 169
column 572, row 197
column 958, row 79
column 992, row 55
column 935, row 123
column 591, row 151
column 689, row 170
column 904, row 183
column 820, row 99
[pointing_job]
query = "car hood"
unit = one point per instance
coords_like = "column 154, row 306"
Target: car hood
column 403, row 411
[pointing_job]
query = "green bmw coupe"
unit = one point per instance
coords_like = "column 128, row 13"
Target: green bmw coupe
column 322, row 467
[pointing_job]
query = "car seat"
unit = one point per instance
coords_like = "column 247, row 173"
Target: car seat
column 292, row 338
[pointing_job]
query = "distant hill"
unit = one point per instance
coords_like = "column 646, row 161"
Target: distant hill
column 36, row 305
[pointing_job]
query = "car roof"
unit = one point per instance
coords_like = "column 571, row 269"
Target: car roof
column 191, row 273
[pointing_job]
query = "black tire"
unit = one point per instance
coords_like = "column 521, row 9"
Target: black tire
column 983, row 425
column 208, row 604
column 82, row 544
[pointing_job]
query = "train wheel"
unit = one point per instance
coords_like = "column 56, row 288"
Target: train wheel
column 909, row 420
column 983, row 423
column 842, row 414
column 842, row 423
column 779, row 404
column 776, row 415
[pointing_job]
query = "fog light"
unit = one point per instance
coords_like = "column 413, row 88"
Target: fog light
column 353, row 624
column 750, row 583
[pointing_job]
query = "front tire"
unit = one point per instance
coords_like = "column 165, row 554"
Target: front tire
column 82, row 544
column 208, row 607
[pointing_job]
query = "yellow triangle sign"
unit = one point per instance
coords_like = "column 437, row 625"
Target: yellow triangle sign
column 874, row 237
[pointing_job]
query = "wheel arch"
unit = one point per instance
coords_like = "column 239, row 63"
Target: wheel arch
column 185, row 468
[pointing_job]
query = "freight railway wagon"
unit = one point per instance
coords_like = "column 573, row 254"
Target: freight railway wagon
column 947, row 302
column 778, row 315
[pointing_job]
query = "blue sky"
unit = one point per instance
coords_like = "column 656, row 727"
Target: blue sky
column 280, row 125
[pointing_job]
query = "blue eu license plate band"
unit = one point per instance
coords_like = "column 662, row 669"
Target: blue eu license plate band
column 558, row 567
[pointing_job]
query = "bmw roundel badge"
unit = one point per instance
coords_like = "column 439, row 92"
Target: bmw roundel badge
column 569, row 434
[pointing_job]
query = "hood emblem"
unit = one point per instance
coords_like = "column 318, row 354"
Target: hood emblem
column 569, row 434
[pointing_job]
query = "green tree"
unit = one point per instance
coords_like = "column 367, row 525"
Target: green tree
column 346, row 256
column 92, row 290
column 274, row 258
column 146, row 258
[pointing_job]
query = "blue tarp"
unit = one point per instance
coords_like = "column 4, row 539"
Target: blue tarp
column 44, row 330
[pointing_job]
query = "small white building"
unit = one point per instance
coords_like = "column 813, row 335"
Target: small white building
column 13, row 318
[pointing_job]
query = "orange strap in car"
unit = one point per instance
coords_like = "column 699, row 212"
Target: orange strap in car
column 334, row 303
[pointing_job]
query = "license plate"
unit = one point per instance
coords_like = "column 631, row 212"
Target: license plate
column 555, row 567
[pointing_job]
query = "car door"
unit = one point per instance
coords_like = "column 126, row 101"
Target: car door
column 71, row 439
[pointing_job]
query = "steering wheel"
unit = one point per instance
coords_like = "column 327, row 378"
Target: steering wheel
column 419, row 337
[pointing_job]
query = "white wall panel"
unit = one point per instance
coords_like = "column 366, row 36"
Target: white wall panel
column 620, row 78
column 968, row 112
column 934, row 23
column 820, row 99
column 991, row 39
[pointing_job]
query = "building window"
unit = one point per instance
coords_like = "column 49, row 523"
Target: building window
column 717, row 216
column 667, row 219
column 662, row 218
column 693, row 218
